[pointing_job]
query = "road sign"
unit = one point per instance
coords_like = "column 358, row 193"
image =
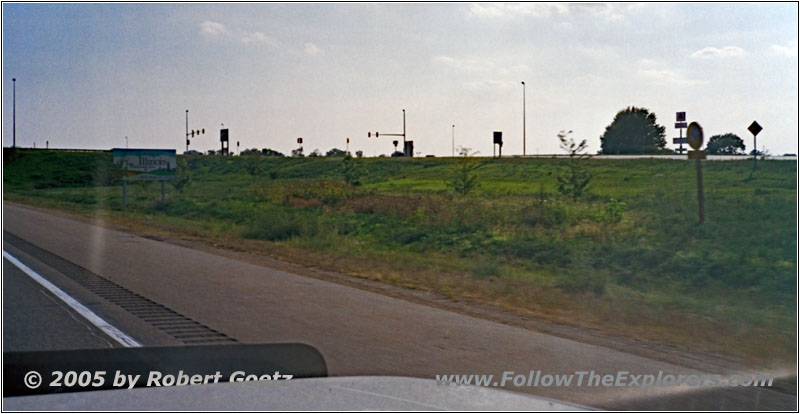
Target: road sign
column 680, row 116
column 498, row 137
column 299, row 140
column 679, row 140
column 680, row 125
column 145, row 164
column 697, row 155
column 754, row 128
column 694, row 135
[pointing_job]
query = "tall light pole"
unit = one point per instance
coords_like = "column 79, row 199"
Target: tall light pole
column 523, row 118
column 14, row 111
column 187, row 130
column 404, row 129
column 454, row 140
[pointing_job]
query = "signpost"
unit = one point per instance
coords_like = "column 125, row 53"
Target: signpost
column 407, row 149
column 680, row 124
column 224, row 141
column 144, row 165
column 694, row 137
column 498, row 140
column 754, row 129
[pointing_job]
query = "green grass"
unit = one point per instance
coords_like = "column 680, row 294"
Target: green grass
column 628, row 255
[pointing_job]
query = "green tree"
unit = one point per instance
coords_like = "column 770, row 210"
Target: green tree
column 725, row 144
column 352, row 170
column 464, row 177
column 573, row 180
column 336, row 152
column 269, row 152
column 249, row 152
column 633, row 131
column 183, row 175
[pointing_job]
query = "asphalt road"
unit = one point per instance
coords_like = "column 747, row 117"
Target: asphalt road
column 358, row 332
column 36, row 320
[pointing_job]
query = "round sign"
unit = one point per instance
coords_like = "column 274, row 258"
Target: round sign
column 694, row 135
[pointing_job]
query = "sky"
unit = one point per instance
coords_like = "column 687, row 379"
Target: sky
column 89, row 75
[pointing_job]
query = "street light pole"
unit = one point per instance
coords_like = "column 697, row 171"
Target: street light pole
column 14, row 116
column 454, row 140
column 523, row 118
column 187, row 130
column 404, row 129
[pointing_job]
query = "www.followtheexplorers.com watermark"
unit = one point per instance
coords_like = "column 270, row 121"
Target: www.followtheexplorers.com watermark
column 536, row 378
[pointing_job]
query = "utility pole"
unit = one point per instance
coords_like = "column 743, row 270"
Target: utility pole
column 523, row 118
column 378, row 134
column 14, row 116
column 193, row 132
column 404, row 128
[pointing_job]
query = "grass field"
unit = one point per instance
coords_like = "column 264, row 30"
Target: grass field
column 628, row 258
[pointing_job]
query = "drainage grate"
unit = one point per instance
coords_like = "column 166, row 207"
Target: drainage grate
column 167, row 320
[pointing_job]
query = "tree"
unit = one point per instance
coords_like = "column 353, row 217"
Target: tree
column 269, row 152
column 183, row 175
column 315, row 153
column 352, row 170
column 725, row 144
column 633, row 131
column 464, row 177
column 575, row 179
column 336, row 152
column 298, row 153
column 253, row 151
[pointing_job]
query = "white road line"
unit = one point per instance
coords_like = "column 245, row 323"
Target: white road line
column 92, row 317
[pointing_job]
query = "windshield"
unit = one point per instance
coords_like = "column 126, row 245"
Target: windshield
column 507, row 204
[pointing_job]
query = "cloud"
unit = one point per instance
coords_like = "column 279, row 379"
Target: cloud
column 258, row 37
column 654, row 70
column 611, row 12
column 668, row 76
column 213, row 28
column 495, row 10
column 713, row 52
column 789, row 50
column 312, row 49
column 490, row 84
column 484, row 66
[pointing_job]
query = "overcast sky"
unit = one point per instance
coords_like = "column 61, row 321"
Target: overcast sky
column 90, row 74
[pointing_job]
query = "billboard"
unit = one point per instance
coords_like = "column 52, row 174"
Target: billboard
column 145, row 164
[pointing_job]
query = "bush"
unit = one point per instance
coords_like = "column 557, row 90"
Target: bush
column 464, row 178
column 574, row 180
column 277, row 225
column 613, row 211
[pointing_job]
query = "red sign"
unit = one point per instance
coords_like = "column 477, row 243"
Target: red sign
column 680, row 116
